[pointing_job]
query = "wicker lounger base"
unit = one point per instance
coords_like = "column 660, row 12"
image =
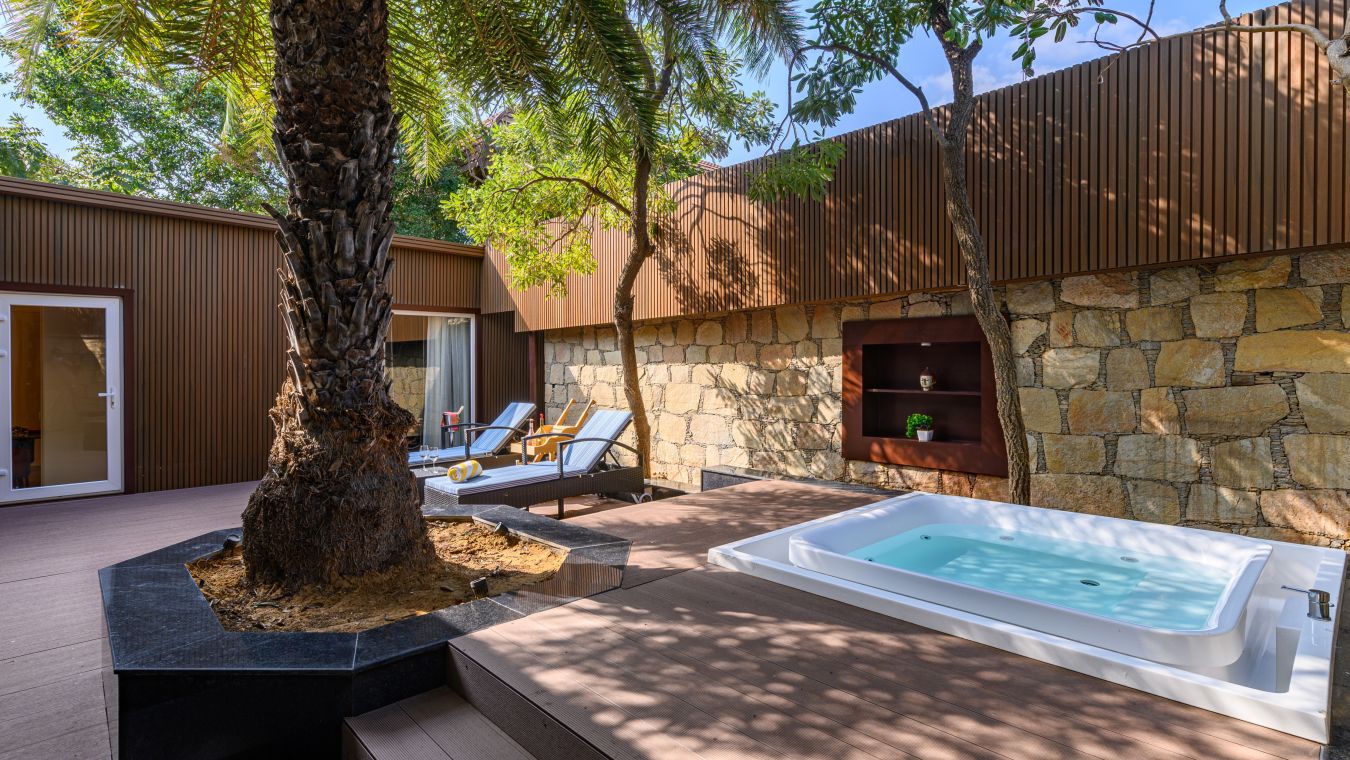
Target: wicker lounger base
column 621, row 480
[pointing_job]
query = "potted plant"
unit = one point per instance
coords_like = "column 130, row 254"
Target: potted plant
column 919, row 426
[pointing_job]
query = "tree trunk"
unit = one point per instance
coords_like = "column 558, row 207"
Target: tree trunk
column 623, row 312
column 338, row 498
column 975, row 257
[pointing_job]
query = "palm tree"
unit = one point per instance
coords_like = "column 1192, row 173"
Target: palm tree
column 340, row 79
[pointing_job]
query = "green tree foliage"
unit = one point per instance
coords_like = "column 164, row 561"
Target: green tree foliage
column 163, row 134
column 22, row 154
column 599, row 155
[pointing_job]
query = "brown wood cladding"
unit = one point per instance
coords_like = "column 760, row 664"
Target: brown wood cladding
column 206, row 339
column 1204, row 145
column 505, row 366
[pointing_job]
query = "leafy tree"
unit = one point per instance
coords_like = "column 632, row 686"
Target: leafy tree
column 322, row 79
column 589, row 160
column 162, row 134
column 23, row 155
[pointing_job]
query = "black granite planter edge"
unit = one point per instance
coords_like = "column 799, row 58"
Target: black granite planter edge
column 185, row 636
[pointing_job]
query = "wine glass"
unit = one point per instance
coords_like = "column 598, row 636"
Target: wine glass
column 424, row 454
column 435, row 458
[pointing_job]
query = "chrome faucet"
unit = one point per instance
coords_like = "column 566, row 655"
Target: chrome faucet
column 1319, row 602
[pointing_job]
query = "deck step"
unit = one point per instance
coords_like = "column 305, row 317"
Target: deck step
column 435, row 725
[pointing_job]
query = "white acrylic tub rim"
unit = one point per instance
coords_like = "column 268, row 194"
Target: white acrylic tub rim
column 824, row 548
column 1300, row 708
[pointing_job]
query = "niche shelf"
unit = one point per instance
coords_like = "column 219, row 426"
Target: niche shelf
column 882, row 362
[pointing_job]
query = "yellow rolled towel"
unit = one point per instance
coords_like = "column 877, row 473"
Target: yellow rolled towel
column 467, row 470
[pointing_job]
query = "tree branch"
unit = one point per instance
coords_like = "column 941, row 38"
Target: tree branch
column 590, row 187
column 885, row 65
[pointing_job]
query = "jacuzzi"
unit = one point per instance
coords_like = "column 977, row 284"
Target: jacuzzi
column 1197, row 616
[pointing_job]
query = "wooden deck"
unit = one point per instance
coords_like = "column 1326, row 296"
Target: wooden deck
column 684, row 661
column 692, row 661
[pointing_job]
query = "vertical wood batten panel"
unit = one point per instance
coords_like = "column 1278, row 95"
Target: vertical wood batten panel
column 205, row 339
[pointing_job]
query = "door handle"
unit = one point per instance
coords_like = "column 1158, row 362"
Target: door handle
column 111, row 395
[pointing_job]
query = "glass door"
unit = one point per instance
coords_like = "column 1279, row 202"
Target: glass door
column 60, row 396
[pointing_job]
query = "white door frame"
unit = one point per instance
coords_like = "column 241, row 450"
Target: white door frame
column 114, row 401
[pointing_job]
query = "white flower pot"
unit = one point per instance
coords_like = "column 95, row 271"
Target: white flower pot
column 924, row 435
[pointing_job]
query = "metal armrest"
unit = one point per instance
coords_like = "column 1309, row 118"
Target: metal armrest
column 610, row 441
column 468, row 439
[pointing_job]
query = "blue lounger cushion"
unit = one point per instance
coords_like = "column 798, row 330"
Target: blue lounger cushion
column 488, row 442
column 578, row 459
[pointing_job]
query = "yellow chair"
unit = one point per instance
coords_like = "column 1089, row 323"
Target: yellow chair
column 546, row 449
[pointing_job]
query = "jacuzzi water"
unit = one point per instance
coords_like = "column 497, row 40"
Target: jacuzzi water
column 1145, row 589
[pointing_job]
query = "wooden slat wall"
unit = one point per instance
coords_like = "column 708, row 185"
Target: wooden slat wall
column 507, row 373
column 206, row 339
column 1205, row 145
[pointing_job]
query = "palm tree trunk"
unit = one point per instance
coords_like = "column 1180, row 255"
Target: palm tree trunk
column 338, row 498
column 623, row 312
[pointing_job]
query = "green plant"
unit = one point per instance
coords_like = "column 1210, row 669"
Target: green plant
column 917, row 421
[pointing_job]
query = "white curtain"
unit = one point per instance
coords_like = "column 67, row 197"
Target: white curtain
column 448, row 340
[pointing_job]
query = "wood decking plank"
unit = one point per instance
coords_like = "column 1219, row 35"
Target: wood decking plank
column 389, row 733
column 890, row 682
column 460, row 730
column 50, row 611
column 607, row 657
column 1018, row 678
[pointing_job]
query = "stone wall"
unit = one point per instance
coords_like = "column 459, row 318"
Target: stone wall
column 1212, row 395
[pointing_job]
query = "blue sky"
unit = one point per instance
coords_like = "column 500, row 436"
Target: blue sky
column 880, row 101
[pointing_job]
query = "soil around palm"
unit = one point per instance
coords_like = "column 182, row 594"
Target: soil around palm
column 465, row 551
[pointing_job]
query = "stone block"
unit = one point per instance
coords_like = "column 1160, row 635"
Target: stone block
column 747, row 353
column 722, row 354
column 1294, row 351
column 891, row 309
column 1223, row 506
column 1244, row 463
column 1345, row 307
column 696, row 354
column 776, row 356
column 791, row 382
column 1219, row 315
column 684, row 332
column 1110, row 290
column 1027, row 298
column 1325, row 401
column 761, row 327
column 1278, row 308
column 1190, row 364
column 824, row 322
column 1070, row 367
column 1040, row 409
column 1061, row 329
column 990, row 488
column 959, row 304
column 1244, row 410
column 1126, row 369
column 926, row 309
column 1026, row 371
column 1092, row 494
column 1325, row 268
column 1250, row 274
column 671, row 427
column 1096, row 328
column 644, row 336
column 1319, row 461
column 709, row 333
column 1024, row 333
column 672, row 354
column 1158, row 457
column 1154, row 502
column 1172, row 285
column 710, row 430
column 1074, row 453
column 1157, row 412
column 1325, row 513
column 813, row 435
column 682, row 397
column 1101, row 412
column 736, row 326
column 1156, row 323
column 792, row 324
column 853, row 313
column 720, row 401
